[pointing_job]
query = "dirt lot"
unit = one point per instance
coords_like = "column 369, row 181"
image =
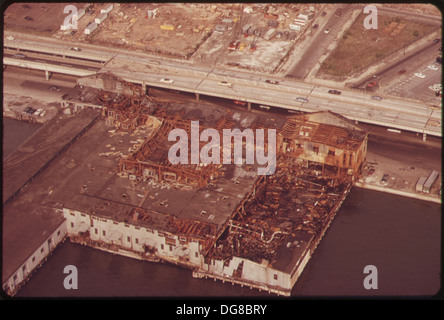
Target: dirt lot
column 360, row 48
column 43, row 18
column 185, row 31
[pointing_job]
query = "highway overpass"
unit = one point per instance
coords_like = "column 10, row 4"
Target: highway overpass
column 250, row 88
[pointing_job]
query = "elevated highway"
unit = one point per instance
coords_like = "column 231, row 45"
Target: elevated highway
column 250, row 88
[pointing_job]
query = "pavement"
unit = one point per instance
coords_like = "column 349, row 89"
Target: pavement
column 404, row 158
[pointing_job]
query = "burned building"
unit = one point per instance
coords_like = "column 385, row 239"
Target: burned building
column 223, row 221
column 324, row 137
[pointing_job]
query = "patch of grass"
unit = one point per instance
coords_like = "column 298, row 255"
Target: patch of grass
column 360, row 48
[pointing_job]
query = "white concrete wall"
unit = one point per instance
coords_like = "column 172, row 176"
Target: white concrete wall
column 132, row 237
column 35, row 259
column 261, row 273
column 256, row 273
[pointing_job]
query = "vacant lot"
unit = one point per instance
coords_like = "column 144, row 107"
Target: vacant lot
column 36, row 18
column 359, row 48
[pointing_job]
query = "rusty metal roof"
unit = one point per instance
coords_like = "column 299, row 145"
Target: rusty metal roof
column 299, row 128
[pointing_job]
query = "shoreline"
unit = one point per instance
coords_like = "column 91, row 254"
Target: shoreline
column 418, row 196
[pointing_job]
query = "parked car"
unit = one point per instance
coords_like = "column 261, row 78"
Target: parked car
column 384, row 178
column 315, row 26
column 225, row 84
column 242, row 103
column 327, row 31
column 432, row 67
column 234, row 45
column 30, row 110
column 370, row 171
column 28, row 18
column 436, row 41
column 420, row 75
column 38, row 112
column 334, row 91
column 19, row 55
column 55, row 88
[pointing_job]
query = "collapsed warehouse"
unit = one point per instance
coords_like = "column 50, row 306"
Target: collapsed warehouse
column 223, row 221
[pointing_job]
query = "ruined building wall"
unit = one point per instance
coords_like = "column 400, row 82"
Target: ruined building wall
column 144, row 242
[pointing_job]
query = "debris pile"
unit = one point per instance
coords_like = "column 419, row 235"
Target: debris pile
column 298, row 197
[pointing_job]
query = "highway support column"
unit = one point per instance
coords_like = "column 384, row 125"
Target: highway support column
column 249, row 106
column 197, row 97
column 47, row 74
column 424, row 137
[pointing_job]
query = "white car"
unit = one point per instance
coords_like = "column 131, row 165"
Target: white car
column 433, row 67
column 166, row 80
column 326, row 31
column 225, row 84
column 420, row 75
column 38, row 112
column 10, row 38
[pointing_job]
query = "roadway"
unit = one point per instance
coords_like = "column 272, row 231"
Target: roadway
column 251, row 87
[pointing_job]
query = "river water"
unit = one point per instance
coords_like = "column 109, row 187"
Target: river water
column 400, row 237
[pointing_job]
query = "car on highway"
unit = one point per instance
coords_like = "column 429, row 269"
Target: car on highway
column 323, row 14
column 327, row 31
column 376, row 97
column 28, row 18
column 75, row 49
column 272, row 81
column 225, row 84
column 338, row 13
column 334, row 91
column 10, row 38
column 166, row 80
column 19, row 55
column 55, row 88
column 301, row 99
column 432, row 67
column 420, row 75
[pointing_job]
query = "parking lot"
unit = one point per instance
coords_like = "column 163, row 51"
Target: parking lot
column 419, row 83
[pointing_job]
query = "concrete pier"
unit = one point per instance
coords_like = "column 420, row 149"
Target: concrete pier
column 33, row 228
